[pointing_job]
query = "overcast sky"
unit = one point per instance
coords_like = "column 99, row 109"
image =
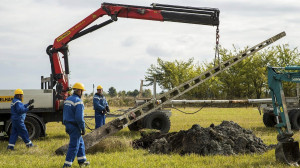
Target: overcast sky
column 119, row 54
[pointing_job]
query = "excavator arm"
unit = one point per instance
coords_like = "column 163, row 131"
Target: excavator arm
column 275, row 80
column 287, row 150
column 158, row 12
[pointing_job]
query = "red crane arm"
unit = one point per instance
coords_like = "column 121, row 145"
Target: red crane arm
column 158, row 12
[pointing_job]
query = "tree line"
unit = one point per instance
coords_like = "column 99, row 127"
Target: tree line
column 112, row 92
column 119, row 98
column 247, row 79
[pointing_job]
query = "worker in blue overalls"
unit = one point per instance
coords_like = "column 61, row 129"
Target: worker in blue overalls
column 73, row 113
column 18, row 115
column 100, row 106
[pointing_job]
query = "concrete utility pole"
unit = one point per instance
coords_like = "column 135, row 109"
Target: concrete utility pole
column 141, row 89
column 93, row 89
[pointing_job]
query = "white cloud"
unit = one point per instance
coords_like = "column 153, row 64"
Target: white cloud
column 119, row 54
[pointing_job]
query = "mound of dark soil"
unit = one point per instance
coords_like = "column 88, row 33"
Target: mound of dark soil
column 228, row 138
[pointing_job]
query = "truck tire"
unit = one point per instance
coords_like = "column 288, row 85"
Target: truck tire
column 159, row 121
column 33, row 128
column 291, row 113
column 295, row 119
column 269, row 120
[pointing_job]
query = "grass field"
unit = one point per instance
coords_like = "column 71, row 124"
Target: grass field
column 249, row 118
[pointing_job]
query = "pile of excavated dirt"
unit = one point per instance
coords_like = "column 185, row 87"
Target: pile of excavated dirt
column 228, row 138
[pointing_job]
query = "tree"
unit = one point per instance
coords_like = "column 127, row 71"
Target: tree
column 112, row 92
column 147, row 93
column 122, row 93
column 246, row 79
column 285, row 56
column 170, row 74
column 133, row 94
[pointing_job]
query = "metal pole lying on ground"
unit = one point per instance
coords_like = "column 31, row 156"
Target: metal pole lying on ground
column 249, row 101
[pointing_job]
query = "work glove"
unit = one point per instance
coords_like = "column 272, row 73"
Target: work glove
column 107, row 109
column 83, row 132
column 31, row 101
column 30, row 107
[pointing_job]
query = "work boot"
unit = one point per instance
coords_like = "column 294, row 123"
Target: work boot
column 83, row 164
column 10, row 148
column 31, row 145
column 66, row 165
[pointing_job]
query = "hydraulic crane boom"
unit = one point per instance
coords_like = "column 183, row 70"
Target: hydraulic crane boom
column 139, row 112
column 158, row 12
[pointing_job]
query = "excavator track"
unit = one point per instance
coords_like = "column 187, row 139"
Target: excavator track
column 139, row 112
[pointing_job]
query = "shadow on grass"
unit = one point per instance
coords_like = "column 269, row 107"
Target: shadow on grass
column 56, row 136
column 4, row 139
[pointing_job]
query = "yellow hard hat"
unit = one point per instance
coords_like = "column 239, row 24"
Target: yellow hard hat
column 18, row 91
column 99, row 87
column 78, row 86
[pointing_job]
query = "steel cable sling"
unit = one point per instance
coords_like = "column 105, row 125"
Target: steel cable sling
column 191, row 112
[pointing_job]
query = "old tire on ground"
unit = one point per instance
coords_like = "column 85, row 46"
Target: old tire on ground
column 159, row 121
column 295, row 119
column 269, row 120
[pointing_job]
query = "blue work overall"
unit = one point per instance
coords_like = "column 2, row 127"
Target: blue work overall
column 18, row 115
column 100, row 105
column 73, row 120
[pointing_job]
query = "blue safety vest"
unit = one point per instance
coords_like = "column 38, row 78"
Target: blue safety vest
column 73, row 111
column 99, row 103
column 18, row 109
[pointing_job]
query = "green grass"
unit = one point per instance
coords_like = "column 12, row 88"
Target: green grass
column 44, row 154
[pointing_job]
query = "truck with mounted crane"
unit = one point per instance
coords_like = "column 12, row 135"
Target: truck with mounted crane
column 55, row 89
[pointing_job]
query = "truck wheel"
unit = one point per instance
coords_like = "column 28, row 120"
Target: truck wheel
column 291, row 114
column 269, row 120
column 159, row 121
column 295, row 119
column 33, row 128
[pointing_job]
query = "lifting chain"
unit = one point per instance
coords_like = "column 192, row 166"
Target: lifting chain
column 217, row 54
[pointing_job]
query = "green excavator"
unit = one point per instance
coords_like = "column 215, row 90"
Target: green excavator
column 287, row 149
